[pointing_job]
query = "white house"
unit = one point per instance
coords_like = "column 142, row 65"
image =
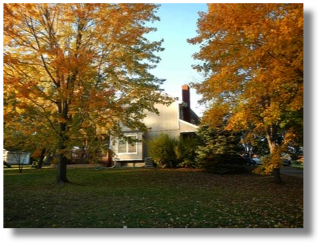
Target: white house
column 16, row 157
column 175, row 120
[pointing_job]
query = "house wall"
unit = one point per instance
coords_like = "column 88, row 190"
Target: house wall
column 187, row 127
column 166, row 122
column 14, row 157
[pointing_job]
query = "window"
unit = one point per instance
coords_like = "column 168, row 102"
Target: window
column 127, row 147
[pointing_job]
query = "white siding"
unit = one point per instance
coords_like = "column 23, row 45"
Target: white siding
column 187, row 127
column 14, row 157
column 167, row 120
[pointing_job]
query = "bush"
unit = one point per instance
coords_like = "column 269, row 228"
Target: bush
column 162, row 150
column 219, row 152
column 186, row 152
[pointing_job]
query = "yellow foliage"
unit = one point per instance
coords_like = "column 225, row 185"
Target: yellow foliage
column 70, row 70
column 253, row 56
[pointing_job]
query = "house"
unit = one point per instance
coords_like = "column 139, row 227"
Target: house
column 175, row 120
column 16, row 157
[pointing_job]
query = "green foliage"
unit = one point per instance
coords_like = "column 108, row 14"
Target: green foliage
column 78, row 73
column 224, row 163
column 169, row 152
column 186, row 151
column 219, row 152
column 253, row 69
column 162, row 149
column 261, row 147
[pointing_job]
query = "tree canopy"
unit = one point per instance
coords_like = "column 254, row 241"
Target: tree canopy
column 79, row 71
column 252, row 58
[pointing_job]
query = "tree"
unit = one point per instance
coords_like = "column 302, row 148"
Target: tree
column 219, row 150
column 83, row 69
column 252, row 58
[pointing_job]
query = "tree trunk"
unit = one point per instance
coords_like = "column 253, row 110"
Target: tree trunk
column 272, row 138
column 277, row 175
column 63, row 160
column 63, row 109
column 109, row 160
column 61, row 170
column 41, row 159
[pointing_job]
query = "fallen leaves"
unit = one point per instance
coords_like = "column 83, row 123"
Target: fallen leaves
column 152, row 198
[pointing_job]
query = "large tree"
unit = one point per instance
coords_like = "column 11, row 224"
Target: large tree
column 81, row 69
column 252, row 58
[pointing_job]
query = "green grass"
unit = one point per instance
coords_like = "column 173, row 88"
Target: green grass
column 149, row 198
column 297, row 164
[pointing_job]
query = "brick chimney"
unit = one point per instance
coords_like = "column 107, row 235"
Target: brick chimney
column 186, row 99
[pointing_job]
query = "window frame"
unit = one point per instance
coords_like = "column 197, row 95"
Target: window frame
column 127, row 145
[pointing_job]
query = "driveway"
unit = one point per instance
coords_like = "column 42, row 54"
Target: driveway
column 291, row 171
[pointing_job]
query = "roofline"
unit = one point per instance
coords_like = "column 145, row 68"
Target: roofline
column 188, row 123
column 193, row 112
column 184, row 104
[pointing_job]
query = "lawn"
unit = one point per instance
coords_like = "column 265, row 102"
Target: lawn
column 298, row 165
column 149, row 198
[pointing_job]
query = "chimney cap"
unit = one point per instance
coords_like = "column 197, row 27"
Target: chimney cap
column 185, row 87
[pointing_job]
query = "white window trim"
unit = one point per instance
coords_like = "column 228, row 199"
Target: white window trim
column 124, row 153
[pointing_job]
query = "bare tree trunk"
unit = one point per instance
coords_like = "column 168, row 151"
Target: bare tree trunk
column 61, row 170
column 277, row 175
column 41, row 159
column 109, row 160
column 63, row 160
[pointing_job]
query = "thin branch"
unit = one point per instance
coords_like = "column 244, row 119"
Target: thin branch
column 42, row 57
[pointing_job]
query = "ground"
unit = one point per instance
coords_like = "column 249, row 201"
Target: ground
column 103, row 197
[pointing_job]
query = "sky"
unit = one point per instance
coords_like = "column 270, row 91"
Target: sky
column 178, row 22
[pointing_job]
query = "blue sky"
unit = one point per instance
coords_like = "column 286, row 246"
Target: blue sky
column 178, row 23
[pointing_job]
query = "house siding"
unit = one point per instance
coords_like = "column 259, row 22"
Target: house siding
column 14, row 157
column 187, row 127
column 167, row 122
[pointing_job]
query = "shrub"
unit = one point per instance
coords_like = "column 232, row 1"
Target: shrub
column 186, row 151
column 162, row 150
column 219, row 152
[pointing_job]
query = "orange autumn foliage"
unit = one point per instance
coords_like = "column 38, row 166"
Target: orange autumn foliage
column 80, row 69
column 252, row 58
